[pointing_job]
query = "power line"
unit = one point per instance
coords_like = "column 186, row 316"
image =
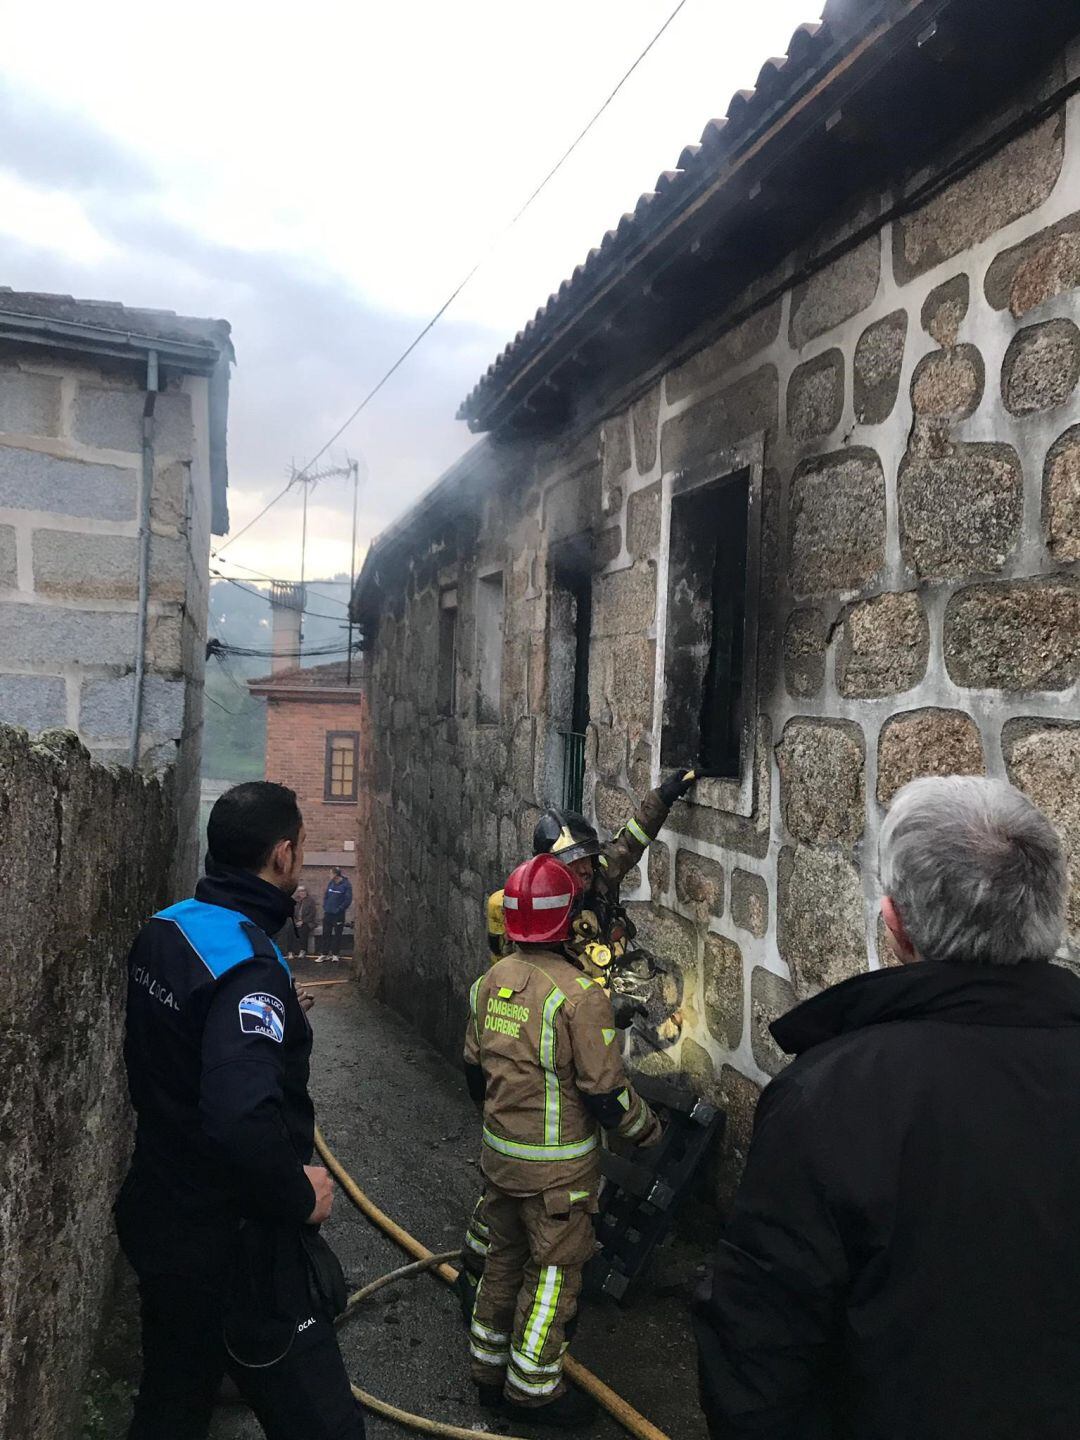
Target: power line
column 234, row 713
column 232, row 538
column 311, row 584
column 494, row 243
column 248, row 590
column 462, row 284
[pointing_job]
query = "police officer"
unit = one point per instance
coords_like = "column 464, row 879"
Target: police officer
column 218, row 1210
column 541, row 1058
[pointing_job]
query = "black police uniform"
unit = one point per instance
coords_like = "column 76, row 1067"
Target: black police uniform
column 217, row 1052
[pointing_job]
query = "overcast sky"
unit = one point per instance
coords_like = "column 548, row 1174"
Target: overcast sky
column 322, row 175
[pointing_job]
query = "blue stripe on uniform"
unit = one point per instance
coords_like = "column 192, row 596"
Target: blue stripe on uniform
column 217, row 935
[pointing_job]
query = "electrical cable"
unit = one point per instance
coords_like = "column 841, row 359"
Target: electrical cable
column 258, row 517
column 618, row 1408
column 273, row 580
column 495, row 242
column 248, row 590
column 234, row 713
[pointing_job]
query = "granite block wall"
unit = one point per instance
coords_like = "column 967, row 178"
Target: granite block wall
column 70, row 477
column 86, row 859
column 913, row 407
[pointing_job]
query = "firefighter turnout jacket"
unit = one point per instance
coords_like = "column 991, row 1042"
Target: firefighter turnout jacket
column 217, row 1051
column 617, row 858
column 542, row 1054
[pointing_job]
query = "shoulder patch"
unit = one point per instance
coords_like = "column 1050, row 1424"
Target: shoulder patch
column 216, row 934
column 263, row 1014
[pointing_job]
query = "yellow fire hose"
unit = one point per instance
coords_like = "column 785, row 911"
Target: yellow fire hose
column 619, row 1409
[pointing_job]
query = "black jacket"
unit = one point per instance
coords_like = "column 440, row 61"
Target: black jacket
column 217, row 1053
column 903, row 1260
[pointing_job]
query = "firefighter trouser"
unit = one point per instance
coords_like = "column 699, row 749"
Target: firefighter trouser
column 475, row 1249
column 537, row 1246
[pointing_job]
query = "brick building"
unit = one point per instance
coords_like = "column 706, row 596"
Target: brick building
column 113, row 477
column 313, row 728
column 787, row 476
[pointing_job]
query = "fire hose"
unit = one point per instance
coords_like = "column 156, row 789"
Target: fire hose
column 618, row 1408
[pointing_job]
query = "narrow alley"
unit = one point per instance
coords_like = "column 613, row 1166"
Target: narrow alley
column 398, row 1117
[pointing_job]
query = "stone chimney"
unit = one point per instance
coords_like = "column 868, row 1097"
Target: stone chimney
column 287, row 610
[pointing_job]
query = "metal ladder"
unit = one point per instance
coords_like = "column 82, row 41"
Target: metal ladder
column 641, row 1195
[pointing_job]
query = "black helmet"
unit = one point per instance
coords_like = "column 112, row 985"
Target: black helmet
column 566, row 834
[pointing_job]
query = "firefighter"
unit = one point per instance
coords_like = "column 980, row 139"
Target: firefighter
column 541, row 1058
column 601, row 868
column 601, row 933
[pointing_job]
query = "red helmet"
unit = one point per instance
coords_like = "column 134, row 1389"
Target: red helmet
column 538, row 901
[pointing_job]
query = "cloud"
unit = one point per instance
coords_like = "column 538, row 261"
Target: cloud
column 308, row 348
column 59, row 149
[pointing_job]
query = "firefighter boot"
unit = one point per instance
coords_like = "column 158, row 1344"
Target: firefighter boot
column 571, row 1411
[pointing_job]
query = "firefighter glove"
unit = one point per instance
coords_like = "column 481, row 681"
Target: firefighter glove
column 676, row 786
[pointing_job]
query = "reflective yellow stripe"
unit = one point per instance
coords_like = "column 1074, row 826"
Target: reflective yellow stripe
column 495, row 1358
column 584, row 982
column 517, row 1381
column 609, row 1035
column 637, row 832
column 638, row 1124
column 538, row 1326
column 493, row 1337
column 517, row 1151
column 552, row 1093
column 472, row 1006
column 530, row 1367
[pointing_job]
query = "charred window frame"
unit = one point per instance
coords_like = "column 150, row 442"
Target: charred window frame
column 446, row 688
column 711, row 624
column 490, row 621
column 342, row 767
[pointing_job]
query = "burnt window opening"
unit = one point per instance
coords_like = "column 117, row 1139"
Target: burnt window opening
column 704, row 679
column 490, row 612
column 570, row 633
column 446, row 690
column 342, row 753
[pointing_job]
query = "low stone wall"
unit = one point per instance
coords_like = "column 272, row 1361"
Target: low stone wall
column 84, row 860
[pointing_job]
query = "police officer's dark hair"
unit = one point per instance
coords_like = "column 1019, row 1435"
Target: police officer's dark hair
column 249, row 820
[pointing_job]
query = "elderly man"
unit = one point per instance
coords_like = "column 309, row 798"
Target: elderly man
column 903, row 1261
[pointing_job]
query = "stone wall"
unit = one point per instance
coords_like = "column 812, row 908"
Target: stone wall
column 84, row 862
column 915, row 411
column 70, row 478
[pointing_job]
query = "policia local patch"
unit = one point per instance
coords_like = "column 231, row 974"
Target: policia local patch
column 263, row 1015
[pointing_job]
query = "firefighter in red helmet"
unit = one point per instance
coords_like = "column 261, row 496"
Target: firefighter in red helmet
column 601, row 866
column 541, row 1058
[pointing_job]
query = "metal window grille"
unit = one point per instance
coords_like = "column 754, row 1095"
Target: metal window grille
column 573, row 770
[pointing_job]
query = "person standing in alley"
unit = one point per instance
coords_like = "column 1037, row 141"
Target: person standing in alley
column 305, row 916
column 541, row 1059
column 336, row 904
column 903, row 1260
column 219, row 1212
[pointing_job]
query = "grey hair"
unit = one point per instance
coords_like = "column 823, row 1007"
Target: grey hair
column 976, row 871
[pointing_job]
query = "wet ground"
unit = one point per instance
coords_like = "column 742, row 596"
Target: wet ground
column 399, row 1119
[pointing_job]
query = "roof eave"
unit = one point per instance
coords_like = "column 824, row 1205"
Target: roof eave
column 193, row 357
